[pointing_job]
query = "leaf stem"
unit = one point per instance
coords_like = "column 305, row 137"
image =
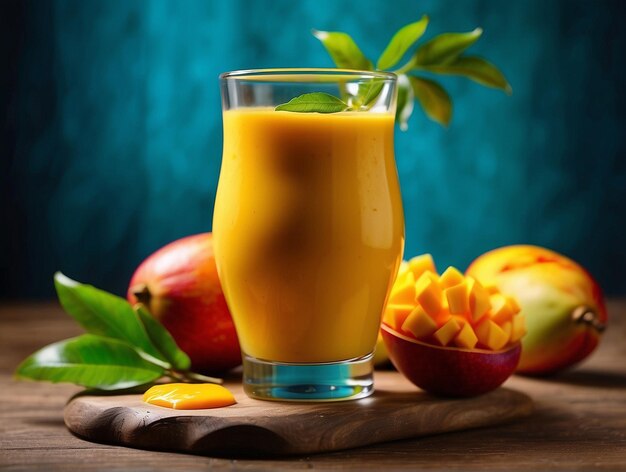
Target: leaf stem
column 406, row 67
column 172, row 374
column 190, row 377
column 203, row 378
column 154, row 360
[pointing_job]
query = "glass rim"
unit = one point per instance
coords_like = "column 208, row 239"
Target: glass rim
column 274, row 74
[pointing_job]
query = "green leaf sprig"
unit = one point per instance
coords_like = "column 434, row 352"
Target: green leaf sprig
column 318, row 102
column 124, row 346
column 444, row 55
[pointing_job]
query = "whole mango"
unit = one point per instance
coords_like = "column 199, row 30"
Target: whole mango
column 180, row 286
column 563, row 305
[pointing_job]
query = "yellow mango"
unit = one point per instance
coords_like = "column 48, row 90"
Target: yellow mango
column 478, row 299
column 450, row 278
column 403, row 291
column 419, row 324
column 466, row 337
column 458, row 299
column 513, row 304
column 491, row 335
column 420, row 264
column 500, row 311
column 491, row 289
column 403, row 279
column 448, row 331
column 389, row 316
column 519, row 328
column 507, row 327
column 403, row 269
column 442, row 318
column 395, row 315
column 433, row 276
column 428, row 294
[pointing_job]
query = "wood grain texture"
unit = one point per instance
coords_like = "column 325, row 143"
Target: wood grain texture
column 579, row 422
column 397, row 410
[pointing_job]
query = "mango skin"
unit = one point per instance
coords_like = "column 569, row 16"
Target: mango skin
column 549, row 288
column 450, row 371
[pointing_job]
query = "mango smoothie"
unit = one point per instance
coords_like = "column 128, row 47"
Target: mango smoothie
column 308, row 231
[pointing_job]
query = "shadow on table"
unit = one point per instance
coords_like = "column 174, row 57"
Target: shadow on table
column 590, row 378
column 46, row 422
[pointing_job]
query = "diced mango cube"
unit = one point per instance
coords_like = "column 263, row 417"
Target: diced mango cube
column 450, row 277
column 478, row 299
column 490, row 335
column 448, row 331
column 405, row 278
column 519, row 328
column 403, row 291
column 389, row 317
column 491, row 289
column 500, row 311
column 513, row 305
column 507, row 327
column 395, row 315
column 466, row 337
column 403, row 269
column 433, row 276
column 442, row 318
column 420, row 264
column 429, row 295
column 458, row 299
column 419, row 324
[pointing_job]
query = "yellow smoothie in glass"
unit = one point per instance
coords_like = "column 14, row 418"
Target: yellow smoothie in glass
column 308, row 231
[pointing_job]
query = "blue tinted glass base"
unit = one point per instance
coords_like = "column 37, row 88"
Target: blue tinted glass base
column 335, row 381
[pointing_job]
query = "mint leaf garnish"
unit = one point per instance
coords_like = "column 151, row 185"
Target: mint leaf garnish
column 316, row 102
column 319, row 102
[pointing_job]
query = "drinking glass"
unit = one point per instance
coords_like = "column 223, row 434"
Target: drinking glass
column 308, row 227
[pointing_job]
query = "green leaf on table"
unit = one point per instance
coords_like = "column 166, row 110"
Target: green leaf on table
column 401, row 42
column 343, row 50
column 91, row 361
column 316, row 102
column 474, row 68
column 163, row 340
column 404, row 108
column 445, row 48
column 104, row 314
column 433, row 98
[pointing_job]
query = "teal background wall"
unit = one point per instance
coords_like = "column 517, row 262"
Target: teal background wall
column 111, row 135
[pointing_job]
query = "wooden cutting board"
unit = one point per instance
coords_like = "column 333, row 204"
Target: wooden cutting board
column 397, row 410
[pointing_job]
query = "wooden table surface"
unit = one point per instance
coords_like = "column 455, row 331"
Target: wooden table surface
column 579, row 422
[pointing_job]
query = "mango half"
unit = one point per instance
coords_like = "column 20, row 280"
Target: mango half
column 562, row 303
column 448, row 333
